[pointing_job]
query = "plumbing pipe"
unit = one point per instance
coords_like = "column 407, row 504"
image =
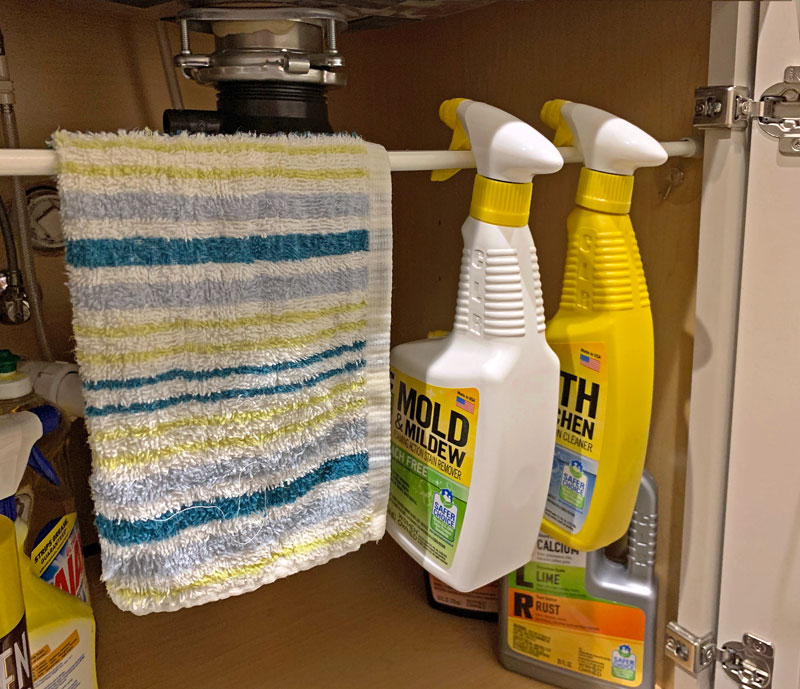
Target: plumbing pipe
column 24, row 246
column 58, row 382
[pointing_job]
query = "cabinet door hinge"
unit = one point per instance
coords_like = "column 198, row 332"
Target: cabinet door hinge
column 732, row 107
column 749, row 662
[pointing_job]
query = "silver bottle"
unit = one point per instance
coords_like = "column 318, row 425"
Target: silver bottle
column 525, row 644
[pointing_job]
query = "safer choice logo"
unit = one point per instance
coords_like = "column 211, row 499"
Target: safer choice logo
column 444, row 515
column 573, row 485
column 623, row 663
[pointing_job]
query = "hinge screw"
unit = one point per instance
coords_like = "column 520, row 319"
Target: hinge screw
column 796, row 145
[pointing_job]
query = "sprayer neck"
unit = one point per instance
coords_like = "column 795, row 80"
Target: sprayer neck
column 501, row 203
column 604, row 192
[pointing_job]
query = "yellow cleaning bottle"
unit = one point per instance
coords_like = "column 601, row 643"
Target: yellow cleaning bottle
column 51, row 645
column 602, row 334
column 473, row 412
column 61, row 628
column 15, row 654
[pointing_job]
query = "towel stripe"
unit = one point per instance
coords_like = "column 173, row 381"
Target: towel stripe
column 148, row 457
column 250, row 415
column 77, row 206
column 222, row 348
column 157, row 251
column 191, row 144
column 109, row 333
column 267, row 289
column 179, row 561
column 191, row 375
column 171, row 523
column 191, row 443
column 302, row 552
column 164, row 482
column 234, row 393
column 208, row 173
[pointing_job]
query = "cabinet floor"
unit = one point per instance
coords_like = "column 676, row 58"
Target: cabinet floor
column 359, row 621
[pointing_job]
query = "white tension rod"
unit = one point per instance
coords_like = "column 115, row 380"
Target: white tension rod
column 26, row 162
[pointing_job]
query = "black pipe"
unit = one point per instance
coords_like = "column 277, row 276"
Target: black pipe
column 8, row 240
column 192, row 122
column 5, row 222
column 261, row 107
column 270, row 107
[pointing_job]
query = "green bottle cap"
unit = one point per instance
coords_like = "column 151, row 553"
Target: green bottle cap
column 8, row 361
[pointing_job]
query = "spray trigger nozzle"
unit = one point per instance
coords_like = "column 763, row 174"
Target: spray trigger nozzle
column 552, row 117
column 608, row 143
column 460, row 140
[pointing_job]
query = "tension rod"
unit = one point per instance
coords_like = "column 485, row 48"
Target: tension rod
column 26, row 162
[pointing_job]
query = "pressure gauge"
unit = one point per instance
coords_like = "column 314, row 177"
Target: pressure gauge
column 44, row 207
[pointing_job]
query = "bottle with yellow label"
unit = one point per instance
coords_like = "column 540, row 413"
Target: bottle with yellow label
column 602, row 334
column 473, row 412
column 583, row 620
column 49, row 632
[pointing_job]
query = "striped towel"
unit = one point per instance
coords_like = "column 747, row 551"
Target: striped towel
column 231, row 301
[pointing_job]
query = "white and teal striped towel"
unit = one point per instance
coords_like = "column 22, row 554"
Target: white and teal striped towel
column 231, row 300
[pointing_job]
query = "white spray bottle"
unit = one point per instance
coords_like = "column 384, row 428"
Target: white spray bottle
column 473, row 412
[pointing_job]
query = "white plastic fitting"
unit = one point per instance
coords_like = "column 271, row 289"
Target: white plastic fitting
column 59, row 383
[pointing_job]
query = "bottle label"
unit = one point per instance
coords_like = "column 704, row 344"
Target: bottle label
column 58, row 557
column 579, row 433
column 433, row 445
column 65, row 661
column 15, row 658
column 484, row 599
column 552, row 619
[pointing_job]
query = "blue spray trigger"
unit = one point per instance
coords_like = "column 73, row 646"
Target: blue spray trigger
column 49, row 416
column 41, row 466
column 8, row 508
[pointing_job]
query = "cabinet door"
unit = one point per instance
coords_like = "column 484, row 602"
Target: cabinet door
column 760, row 583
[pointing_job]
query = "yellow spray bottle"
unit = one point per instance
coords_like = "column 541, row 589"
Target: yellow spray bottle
column 602, row 334
column 46, row 635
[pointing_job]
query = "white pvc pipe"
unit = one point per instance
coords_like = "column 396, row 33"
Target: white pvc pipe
column 29, row 162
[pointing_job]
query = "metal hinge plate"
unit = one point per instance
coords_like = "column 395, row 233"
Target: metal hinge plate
column 694, row 654
column 721, row 107
column 750, row 662
column 732, row 107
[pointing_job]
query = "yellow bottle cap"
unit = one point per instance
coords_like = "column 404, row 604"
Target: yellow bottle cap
column 501, row 203
column 602, row 191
